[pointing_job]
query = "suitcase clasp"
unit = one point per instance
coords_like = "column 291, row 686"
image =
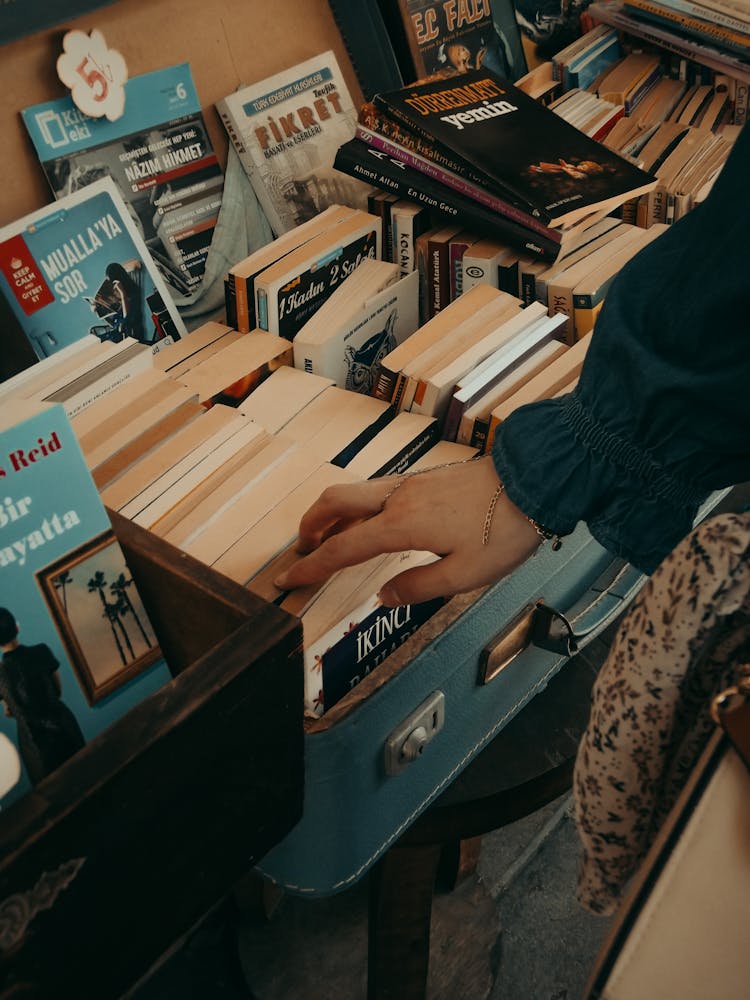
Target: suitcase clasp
column 535, row 623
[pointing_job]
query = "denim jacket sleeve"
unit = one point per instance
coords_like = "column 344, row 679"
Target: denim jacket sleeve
column 661, row 413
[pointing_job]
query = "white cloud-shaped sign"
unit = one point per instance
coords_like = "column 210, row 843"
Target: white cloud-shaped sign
column 94, row 73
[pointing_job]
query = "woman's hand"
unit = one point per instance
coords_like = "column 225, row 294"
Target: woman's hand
column 442, row 510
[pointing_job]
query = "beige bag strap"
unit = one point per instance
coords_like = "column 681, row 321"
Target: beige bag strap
column 731, row 710
column 681, row 930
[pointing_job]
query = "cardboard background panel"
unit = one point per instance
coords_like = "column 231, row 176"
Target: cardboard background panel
column 226, row 42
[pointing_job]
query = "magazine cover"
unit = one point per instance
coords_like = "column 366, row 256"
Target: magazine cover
column 80, row 267
column 286, row 130
column 449, row 38
column 158, row 154
column 76, row 644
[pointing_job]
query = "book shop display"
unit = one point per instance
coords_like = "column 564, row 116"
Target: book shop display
column 252, row 257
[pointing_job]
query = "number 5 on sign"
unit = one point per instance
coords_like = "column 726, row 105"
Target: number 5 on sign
column 94, row 74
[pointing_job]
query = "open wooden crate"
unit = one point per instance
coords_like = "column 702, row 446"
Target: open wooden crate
column 109, row 860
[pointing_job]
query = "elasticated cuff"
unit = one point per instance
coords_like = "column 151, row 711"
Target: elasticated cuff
column 561, row 466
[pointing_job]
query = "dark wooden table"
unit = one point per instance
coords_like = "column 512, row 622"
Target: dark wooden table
column 528, row 764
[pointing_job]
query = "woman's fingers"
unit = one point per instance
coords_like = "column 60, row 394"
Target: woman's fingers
column 355, row 545
column 340, row 506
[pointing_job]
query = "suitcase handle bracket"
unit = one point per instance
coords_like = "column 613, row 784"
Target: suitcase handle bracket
column 549, row 629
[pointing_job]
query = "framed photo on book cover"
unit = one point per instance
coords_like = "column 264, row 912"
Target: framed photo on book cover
column 102, row 623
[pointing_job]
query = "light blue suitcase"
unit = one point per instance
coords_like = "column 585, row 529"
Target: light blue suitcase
column 361, row 789
column 462, row 677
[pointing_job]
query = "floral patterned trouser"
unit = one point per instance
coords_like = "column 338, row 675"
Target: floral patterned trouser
column 685, row 638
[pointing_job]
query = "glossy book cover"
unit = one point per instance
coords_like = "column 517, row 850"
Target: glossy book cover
column 77, row 648
column 541, row 162
column 79, row 266
column 158, row 153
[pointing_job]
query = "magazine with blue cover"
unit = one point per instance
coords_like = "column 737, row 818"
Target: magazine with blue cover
column 79, row 267
column 160, row 157
column 76, row 645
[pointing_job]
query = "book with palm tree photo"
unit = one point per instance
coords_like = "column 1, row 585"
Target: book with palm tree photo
column 78, row 649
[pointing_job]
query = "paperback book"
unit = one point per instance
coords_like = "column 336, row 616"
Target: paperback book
column 286, row 130
column 355, row 329
column 78, row 650
column 375, row 167
column 344, row 657
column 160, row 157
column 526, row 152
column 448, row 38
column 81, row 267
column 290, row 291
column 360, row 633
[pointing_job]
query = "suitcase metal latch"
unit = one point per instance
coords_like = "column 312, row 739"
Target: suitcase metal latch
column 408, row 740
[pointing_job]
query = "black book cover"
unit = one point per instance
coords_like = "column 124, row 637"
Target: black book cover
column 377, row 168
column 541, row 161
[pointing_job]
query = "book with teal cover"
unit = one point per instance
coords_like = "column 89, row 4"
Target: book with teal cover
column 80, row 266
column 78, row 650
column 158, row 153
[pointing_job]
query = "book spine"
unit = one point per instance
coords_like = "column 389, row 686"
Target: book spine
column 591, row 299
column 347, row 662
column 438, row 254
column 381, row 207
column 455, row 264
column 586, row 318
column 705, row 13
column 230, row 301
column 407, row 227
column 741, row 102
column 455, row 182
column 479, row 271
column 715, row 34
column 480, row 435
column 452, row 421
column 561, row 303
column 359, row 160
column 633, row 100
column 422, row 255
column 384, row 383
column 422, row 145
column 261, row 308
column 364, row 437
column 408, row 391
column 77, row 403
column 507, row 277
column 603, row 131
column 409, row 454
column 242, row 289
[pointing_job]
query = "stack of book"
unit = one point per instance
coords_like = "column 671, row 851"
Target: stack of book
column 720, row 23
column 486, row 156
column 716, row 41
column 481, row 357
column 229, row 483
